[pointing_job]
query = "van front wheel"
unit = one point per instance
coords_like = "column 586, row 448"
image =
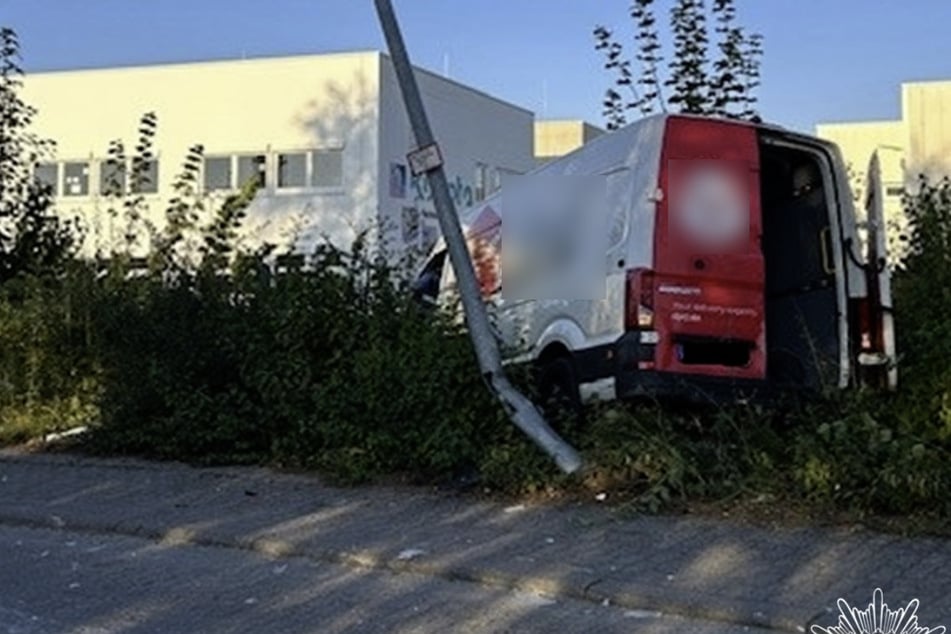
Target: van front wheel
column 558, row 395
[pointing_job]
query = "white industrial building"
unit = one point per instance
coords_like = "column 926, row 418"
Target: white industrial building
column 327, row 135
column 919, row 143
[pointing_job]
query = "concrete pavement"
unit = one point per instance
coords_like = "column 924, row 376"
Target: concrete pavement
column 82, row 583
column 709, row 570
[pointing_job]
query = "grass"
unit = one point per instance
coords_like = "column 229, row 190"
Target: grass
column 741, row 464
column 30, row 423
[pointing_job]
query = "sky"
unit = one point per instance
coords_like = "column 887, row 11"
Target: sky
column 825, row 60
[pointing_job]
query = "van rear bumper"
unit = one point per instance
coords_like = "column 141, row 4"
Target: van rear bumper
column 632, row 382
column 624, row 361
column 638, row 384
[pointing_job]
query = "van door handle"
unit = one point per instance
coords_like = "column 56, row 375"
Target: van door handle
column 825, row 245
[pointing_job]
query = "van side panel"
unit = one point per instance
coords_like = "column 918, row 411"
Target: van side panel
column 629, row 161
column 709, row 302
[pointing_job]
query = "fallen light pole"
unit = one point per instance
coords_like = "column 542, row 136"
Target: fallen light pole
column 427, row 159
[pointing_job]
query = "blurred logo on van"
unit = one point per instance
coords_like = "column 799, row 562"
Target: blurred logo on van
column 710, row 207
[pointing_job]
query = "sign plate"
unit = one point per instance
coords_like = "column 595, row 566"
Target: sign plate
column 424, row 159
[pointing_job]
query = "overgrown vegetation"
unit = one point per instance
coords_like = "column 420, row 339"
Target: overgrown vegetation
column 172, row 341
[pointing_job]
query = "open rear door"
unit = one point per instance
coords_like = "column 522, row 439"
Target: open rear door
column 878, row 351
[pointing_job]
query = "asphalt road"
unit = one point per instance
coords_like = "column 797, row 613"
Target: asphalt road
column 63, row 582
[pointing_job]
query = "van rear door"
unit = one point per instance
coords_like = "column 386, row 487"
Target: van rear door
column 877, row 348
column 708, row 264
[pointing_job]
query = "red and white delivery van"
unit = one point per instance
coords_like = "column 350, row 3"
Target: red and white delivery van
column 732, row 266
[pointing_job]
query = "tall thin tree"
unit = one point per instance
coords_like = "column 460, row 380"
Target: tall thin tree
column 614, row 106
column 727, row 86
column 648, row 54
column 724, row 86
column 689, row 80
column 32, row 238
column 750, row 72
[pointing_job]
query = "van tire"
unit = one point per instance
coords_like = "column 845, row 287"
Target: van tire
column 558, row 395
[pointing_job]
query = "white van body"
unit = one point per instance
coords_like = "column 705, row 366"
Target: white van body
column 786, row 305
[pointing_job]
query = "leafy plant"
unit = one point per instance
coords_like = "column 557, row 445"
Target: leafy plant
column 33, row 240
column 717, row 78
column 923, row 302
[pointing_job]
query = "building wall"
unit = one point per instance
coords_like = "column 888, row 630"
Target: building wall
column 858, row 141
column 919, row 143
column 260, row 106
column 345, row 107
column 556, row 137
column 926, row 109
column 481, row 138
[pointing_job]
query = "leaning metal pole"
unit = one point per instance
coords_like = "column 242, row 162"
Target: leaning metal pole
column 519, row 408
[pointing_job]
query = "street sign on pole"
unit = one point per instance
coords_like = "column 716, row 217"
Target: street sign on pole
column 427, row 159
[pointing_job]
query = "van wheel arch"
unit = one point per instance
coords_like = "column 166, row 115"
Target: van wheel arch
column 553, row 351
column 557, row 382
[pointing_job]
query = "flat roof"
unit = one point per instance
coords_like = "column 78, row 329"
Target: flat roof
column 868, row 122
column 567, row 121
column 925, row 82
column 202, row 62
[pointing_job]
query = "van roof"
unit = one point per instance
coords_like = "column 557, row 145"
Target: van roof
column 611, row 139
column 774, row 128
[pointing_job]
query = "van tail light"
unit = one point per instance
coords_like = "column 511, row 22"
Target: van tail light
column 869, row 330
column 639, row 300
column 865, row 324
column 876, row 349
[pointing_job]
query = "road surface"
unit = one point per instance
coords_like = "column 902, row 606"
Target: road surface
column 55, row 581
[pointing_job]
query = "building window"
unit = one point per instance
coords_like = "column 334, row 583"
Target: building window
column 217, row 173
column 48, row 174
column 111, row 178
column 327, row 168
column 292, row 170
column 397, row 180
column 252, row 168
column 495, row 180
column 481, row 178
column 76, row 179
column 145, row 176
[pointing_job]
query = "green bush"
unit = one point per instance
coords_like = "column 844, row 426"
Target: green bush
column 330, row 366
column 856, row 453
column 923, row 304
